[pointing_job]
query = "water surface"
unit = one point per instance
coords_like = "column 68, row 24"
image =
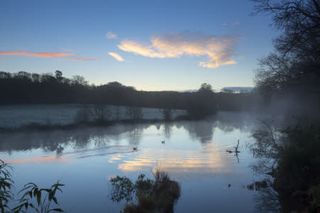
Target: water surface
column 193, row 153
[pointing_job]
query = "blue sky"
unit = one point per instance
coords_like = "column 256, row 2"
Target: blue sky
column 160, row 45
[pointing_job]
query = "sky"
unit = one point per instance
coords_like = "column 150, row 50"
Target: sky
column 148, row 44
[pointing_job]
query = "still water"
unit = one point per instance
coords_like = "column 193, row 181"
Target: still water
column 193, row 153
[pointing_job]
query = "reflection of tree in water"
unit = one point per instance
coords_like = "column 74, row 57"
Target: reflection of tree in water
column 167, row 130
column 158, row 125
column 146, row 195
column 81, row 137
column 289, row 158
column 200, row 130
column 266, row 147
column 134, row 136
column 228, row 121
column 48, row 141
column 267, row 200
column 78, row 138
column 265, row 151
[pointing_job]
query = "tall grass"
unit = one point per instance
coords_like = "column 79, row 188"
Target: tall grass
column 40, row 200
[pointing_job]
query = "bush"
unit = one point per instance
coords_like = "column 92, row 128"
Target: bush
column 158, row 195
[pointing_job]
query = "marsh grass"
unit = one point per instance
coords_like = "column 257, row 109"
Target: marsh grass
column 40, row 200
column 6, row 184
column 146, row 195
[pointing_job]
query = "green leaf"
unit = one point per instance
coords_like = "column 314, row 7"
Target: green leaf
column 55, row 200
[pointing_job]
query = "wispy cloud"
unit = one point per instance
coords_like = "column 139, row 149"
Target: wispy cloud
column 37, row 54
column 80, row 58
column 116, row 56
column 111, row 35
column 65, row 55
column 218, row 50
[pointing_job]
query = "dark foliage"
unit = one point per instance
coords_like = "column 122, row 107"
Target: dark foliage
column 298, row 173
column 32, row 88
column 293, row 69
column 292, row 158
column 6, row 184
column 33, row 199
column 146, row 195
column 294, row 66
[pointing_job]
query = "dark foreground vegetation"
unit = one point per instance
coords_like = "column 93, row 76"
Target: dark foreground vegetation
column 146, row 195
column 291, row 156
column 142, row 196
column 32, row 198
column 298, row 173
column 291, row 76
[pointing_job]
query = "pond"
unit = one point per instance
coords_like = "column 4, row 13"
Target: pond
column 193, row 153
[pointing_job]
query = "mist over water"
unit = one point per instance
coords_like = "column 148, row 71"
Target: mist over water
column 193, row 153
column 160, row 106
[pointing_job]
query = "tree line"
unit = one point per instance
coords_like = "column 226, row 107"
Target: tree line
column 33, row 88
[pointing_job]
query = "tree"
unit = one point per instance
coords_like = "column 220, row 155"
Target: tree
column 5, row 75
column 205, row 87
column 295, row 64
column 202, row 103
column 300, row 22
column 58, row 75
column 35, row 77
column 77, row 79
column 23, row 75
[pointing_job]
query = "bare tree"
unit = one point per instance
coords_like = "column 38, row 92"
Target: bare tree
column 300, row 22
column 296, row 60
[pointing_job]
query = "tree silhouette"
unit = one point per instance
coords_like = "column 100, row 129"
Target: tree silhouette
column 33, row 88
column 295, row 64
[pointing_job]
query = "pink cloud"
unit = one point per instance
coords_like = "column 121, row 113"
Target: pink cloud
column 116, row 56
column 37, row 54
column 65, row 55
column 217, row 50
